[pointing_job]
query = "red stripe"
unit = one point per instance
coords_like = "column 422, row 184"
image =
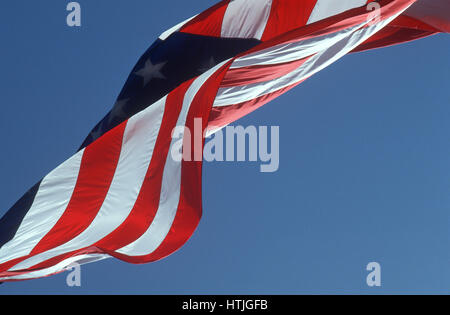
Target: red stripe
column 147, row 203
column 390, row 36
column 259, row 73
column 225, row 115
column 189, row 209
column 96, row 172
column 190, row 206
column 287, row 15
column 332, row 24
column 49, row 263
column 433, row 12
column 405, row 21
column 403, row 29
column 208, row 23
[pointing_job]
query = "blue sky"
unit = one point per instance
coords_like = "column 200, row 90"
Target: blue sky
column 364, row 168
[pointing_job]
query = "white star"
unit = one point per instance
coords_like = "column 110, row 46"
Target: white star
column 151, row 71
column 208, row 64
column 117, row 111
column 97, row 132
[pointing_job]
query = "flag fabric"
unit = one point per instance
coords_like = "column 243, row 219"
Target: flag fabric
column 123, row 194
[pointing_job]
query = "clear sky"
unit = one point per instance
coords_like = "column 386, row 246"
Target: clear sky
column 364, row 160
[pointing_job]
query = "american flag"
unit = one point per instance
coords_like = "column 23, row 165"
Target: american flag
column 122, row 195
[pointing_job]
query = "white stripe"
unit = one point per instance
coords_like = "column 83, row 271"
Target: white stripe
column 60, row 267
column 354, row 37
column 170, row 190
column 290, row 52
column 137, row 150
column 326, row 8
column 235, row 95
column 49, row 204
column 246, row 18
column 174, row 29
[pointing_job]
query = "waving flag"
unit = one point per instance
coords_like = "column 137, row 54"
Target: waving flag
column 122, row 194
